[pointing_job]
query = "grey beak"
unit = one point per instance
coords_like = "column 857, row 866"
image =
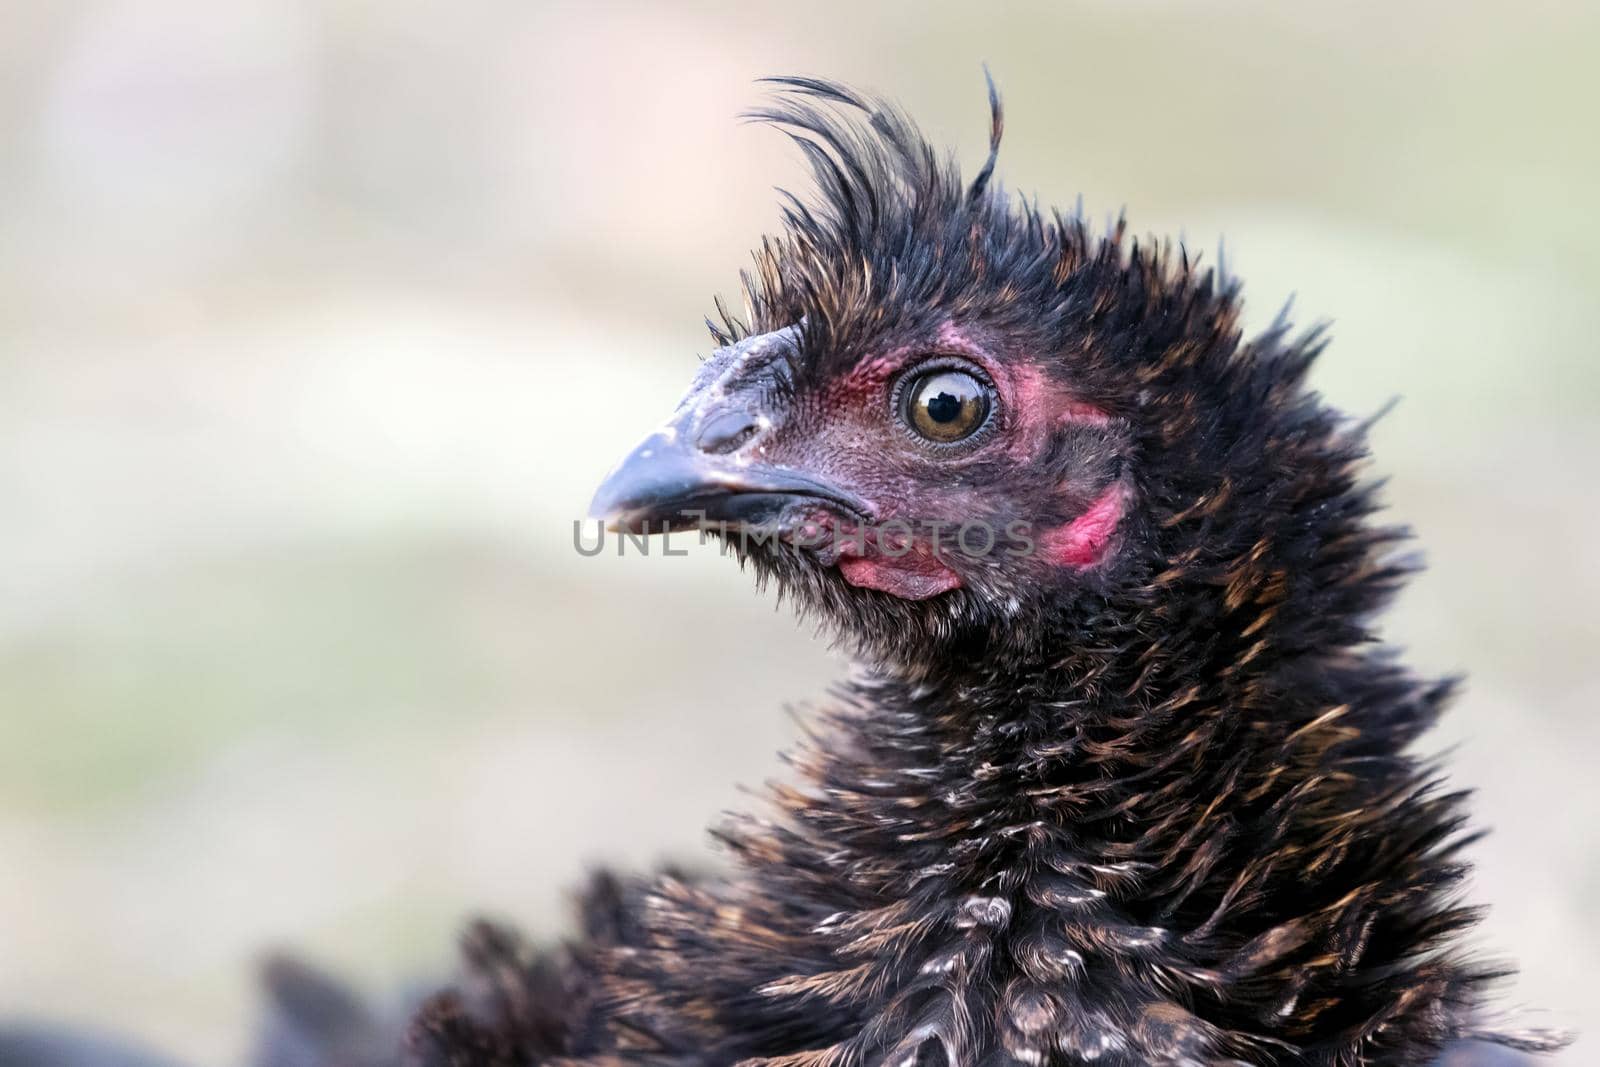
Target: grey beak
column 708, row 465
column 664, row 484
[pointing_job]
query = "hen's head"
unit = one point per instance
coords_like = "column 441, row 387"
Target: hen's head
column 955, row 419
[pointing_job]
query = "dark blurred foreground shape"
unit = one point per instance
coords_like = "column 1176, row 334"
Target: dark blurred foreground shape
column 43, row 1046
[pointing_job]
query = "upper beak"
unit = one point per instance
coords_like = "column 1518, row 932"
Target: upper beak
column 709, row 464
column 666, row 484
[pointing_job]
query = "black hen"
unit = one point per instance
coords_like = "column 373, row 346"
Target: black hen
column 1122, row 777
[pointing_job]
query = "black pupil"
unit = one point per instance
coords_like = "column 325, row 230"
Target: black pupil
column 945, row 407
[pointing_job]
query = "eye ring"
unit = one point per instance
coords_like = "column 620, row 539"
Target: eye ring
column 944, row 402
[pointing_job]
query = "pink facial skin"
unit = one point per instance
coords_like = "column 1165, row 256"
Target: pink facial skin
column 1082, row 542
column 1035, row 406
column 919, row 574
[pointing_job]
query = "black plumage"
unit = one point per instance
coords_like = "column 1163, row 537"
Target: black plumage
column 1139, row 795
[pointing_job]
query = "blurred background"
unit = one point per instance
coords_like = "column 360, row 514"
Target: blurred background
column 319, row 322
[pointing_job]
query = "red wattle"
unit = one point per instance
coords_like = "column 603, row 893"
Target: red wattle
column 909, row 577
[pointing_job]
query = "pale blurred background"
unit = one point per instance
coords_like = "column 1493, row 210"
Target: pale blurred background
column 320, row 321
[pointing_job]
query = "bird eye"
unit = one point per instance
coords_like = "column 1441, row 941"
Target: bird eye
column 946, row 405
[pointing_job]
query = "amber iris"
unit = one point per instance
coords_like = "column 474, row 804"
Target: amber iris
column 946, row 406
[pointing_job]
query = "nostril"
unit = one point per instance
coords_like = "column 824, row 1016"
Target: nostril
column 726, row 431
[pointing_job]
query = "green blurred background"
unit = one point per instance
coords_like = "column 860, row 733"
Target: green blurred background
column 319, row 321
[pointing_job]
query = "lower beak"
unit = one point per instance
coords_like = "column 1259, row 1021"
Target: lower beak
column 665, row 484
